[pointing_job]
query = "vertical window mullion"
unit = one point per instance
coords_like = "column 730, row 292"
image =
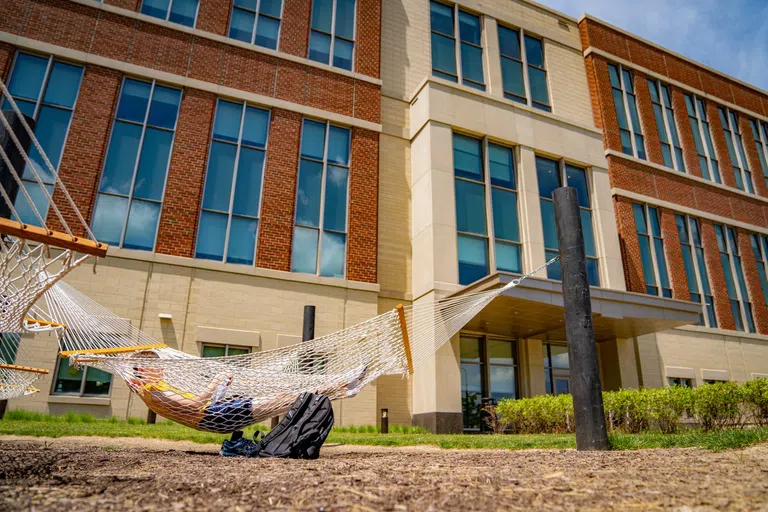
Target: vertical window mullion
column 333, row 40
column 43, row 87
column 667, row 128
column 489, row 206
column 627, row 112
column 138, row 160
column 524, row 58
column 321, row 220
column 238, row 148
column 457, row 43
column 256, row 23
column 654, row 256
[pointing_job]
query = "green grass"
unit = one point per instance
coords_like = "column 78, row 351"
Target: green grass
column 24, row 423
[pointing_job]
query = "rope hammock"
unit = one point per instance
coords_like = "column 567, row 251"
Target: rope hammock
column 224, row 394
column 28, row 267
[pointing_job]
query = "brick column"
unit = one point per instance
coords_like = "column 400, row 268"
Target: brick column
column 368, row 37
column 716, row 276
column 279, row 195
column 647, row 119
column 6, row 56
column 184, row 185
column 294, row 32
column 677, row 275
column 753, row 159
column 86, row 146
column 593, row 88
column 684, row 130
column 718, row 139
column 751, row 276
column 608, row 121
column 213, row 16
column 363, row 206
column 630, row 247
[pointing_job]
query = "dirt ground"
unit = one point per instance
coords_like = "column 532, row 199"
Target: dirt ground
column 142, row 474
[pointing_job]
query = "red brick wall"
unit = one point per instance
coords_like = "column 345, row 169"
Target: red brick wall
column 685, row 132
column 279, row 195
column 721, row 149
column 675, row 266
column 755, row 290
column 294, row 31
column 363, row 206
column 177, row 232
column 630, row 247
column 753, row 160
column 628, row 48
column 647, row 118
column 368, row 35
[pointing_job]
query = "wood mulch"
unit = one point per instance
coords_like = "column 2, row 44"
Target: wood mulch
column 146, row 474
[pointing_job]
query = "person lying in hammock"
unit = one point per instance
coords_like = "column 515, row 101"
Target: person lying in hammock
column 210, row 410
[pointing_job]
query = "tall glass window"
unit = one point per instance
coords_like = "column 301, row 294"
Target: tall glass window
column 760, row 250
column 488, row 369
column 443, row 29
column 733, row 140
column 320, row 233
column 702, row 137
column 132, row 185
column 760, row 135
column 256, row 22
column 632, row 142
column 332, row 38
column 741, row 307
column 551, row 175
column 229, row 221
column 696, row 268
column 485, row 184
column 652, row 250
column 557, row 369
column 665, row 123
column 183, row 12
column 529, row 86
column 9, row 347
column 45, row 89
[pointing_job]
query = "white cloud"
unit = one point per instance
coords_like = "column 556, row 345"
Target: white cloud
column 732, row 38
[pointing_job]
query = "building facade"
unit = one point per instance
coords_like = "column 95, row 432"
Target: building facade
column 245, row 158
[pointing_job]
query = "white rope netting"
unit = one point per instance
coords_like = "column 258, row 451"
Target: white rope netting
column 28, row 267
column 225, row 394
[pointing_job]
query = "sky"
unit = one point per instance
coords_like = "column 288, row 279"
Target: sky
column 730, row 36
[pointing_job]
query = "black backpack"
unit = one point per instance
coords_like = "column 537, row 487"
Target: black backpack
column 302, row 431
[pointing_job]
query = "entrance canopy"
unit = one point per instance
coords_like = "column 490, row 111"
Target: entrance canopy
column 534, row 309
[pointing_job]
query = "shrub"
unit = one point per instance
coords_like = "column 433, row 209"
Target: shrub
column 627, row 410
column 755, row 396
column 717, row 406
column 541, row 414
column 667, row 406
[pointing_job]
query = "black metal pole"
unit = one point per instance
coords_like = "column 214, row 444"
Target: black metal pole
column 582, row 351
column 14, row 155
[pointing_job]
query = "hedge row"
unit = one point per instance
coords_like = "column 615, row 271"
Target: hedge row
column 712, row 406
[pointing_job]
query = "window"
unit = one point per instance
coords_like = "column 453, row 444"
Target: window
column 519, row 86
column 665, row 123
column 741, row 308
column 551, row 175
column 733, row 140
column 321, row 201
column 474, row 176
column 9, row 347
column 229, row 221
column 683, row 383
column 624, row 101
column 697, row 115
column 443, row 25
column 132, row 184
column 45, row 89
column 696, row 268
column 557, row 373
column 256, row 22
column 760, row 134
column 760, row 250
column 223, row 350
column 333, row 32
column 183, row 12
column 652, row 250
column 85, row 381
column 488, row 370
column 713, row 381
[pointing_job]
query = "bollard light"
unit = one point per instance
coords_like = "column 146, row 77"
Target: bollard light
column 385, row 421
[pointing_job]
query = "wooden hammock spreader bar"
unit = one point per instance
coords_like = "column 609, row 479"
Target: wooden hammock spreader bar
column 23, row 368
column 53, row 238
column 12, row 386
column 406, row 342
column 115, row 350
column 43, row 322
